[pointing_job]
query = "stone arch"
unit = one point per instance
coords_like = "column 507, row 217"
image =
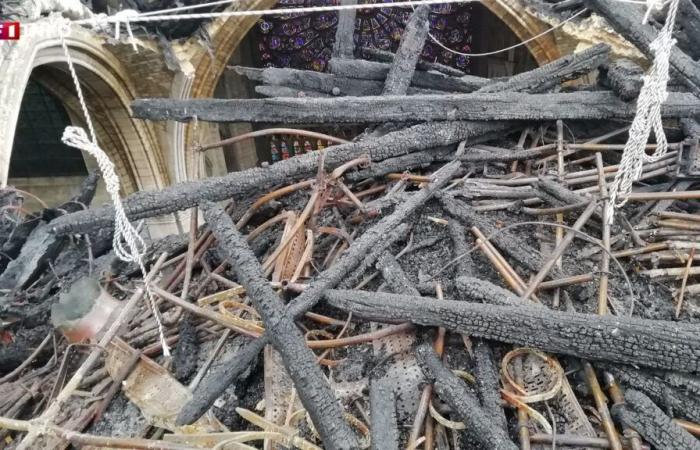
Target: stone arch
column 228, row 34
column 130, row 143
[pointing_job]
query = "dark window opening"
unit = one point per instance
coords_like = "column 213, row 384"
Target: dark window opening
column 38, row 150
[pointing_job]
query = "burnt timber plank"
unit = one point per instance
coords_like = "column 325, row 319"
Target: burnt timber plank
column 182, row 196
column 412, row 41
column 653, row 343
column 380, row 109
column 543, row 78
column 626, row 20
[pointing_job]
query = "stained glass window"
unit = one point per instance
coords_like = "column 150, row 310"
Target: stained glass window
column 305, row 41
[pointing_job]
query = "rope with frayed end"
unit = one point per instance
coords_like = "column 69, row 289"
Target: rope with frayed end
column 128, row 244
column 648, row 116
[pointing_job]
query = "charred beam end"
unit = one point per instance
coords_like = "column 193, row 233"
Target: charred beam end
column 215, row 384
column 640, row 413
column 679, row 399
column 382, row 246
column 371, row 70
column 412, row 41
column 543, row 78
column 654, row 343
column 384, row 427
column 313, row 389
column 384, row 56
column 182, row 196
column 374, row 109
column 344, row 46
column 487, row 383
column 623, row 77
column 460, row 248
column 624, row 18
column 464, row 404
column 394, row 276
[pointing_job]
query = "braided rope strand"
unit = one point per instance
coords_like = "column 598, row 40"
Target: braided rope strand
column 648, row 116
column 128, row 245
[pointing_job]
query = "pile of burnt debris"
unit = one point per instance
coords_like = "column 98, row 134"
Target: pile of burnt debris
column 447, row 280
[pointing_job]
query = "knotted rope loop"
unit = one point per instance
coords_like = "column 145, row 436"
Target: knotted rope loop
column 125, row 16
column 648, row 115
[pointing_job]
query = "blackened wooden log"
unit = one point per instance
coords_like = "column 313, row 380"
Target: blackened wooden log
column 314, row 391
column 505, row 241
column 380, row 109
column 318, row 82
column 550, row 75
column 355, row 276
column 383, row 422
column 453, row 391
column 652, row 343
column 40, row 246
column 410, row 47
column 625, row 19
column 640, row 413
column 394, row 276
column 283, row 91
column 624, row 77
column 460, row 248
column 478, row 290
column 214, row 385
column 687, row 28
column 370, row 70
column 488, row 383
column 344, row 45
column 682, row 404
column 182, row 196
column 402, row 163
column 384, row 56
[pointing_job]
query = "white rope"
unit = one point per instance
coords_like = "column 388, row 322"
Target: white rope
column 519, row 44
column 128, row 244
column 126, row 16
column 648, row 116
column 262, row 12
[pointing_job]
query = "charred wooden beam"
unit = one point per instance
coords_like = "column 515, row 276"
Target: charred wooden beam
column 684, row 405
column 344, row 46
column 384, row 56
column 380, row 109
column 314, row 391
column 212, row 387
column 625, row 19
column 687, row 29
column 371, row 70
column 484, row 291
column 412, row 40
column 652, row 343
column 464, row 404
column 318, row 82
column 640, row 413
column 34, row 246
column 383, row 421
column 460, row 248
column 552, row 74
column 505, row 241
column 624, row 77
column 394, row 276
column 368, row 261
column 283, row 91
column 488, row 383
column 182, row 196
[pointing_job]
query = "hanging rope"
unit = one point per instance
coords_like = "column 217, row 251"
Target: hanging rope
column 128, row 244
column 651, row 97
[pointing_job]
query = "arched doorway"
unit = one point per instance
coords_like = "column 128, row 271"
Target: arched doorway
column 39, row 60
